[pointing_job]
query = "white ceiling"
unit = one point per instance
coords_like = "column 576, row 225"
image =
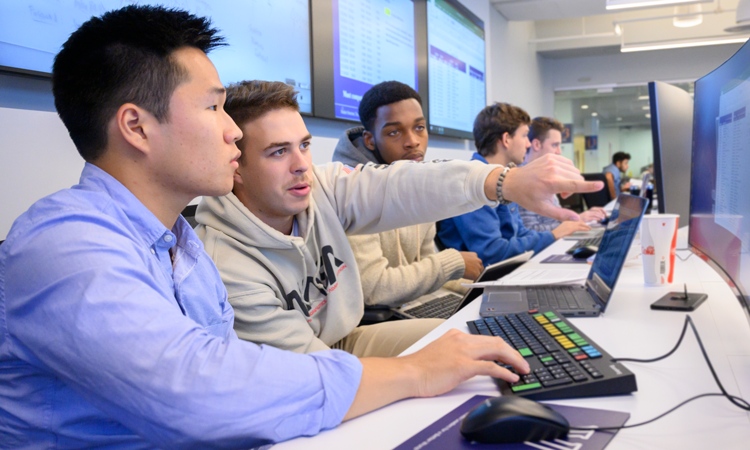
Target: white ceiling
column 522, row 10
column 530, row 10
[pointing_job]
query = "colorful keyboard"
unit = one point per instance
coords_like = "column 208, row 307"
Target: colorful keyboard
column 564, row 362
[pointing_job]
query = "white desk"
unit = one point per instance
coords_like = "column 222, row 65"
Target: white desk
column 628, row 329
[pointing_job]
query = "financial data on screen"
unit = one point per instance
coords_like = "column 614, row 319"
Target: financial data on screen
column 456, row 66
column 268, row 40
column 720, row 187
column 364, row 56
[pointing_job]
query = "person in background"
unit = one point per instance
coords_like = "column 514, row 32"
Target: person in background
column 620, row 164
column 497, row 233
column 545, row 135
column 399, row 265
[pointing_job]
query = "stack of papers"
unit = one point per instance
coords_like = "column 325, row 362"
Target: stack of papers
column 532, row 277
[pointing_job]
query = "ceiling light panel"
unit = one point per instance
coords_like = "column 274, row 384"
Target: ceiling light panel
column 624, row 4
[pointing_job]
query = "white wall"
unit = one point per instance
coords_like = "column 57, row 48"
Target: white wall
column 636, row 141
column 638, row 67
column 37, row 158
column 517, row 70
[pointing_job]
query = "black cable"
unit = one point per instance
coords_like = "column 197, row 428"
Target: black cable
column 715, row 394
column 683, row 249
column 736, row 401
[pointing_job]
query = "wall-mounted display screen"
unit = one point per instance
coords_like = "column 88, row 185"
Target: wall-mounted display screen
column 268, row 40
column 383, row 50
column 456, row 67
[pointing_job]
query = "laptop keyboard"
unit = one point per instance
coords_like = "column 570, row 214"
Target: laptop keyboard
column 595, row 241
column 564, row 362
column 562, row 297
column 439, row 308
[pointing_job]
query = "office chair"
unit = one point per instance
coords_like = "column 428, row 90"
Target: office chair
column 189, row 215
column 599, row 198
column 574, row 202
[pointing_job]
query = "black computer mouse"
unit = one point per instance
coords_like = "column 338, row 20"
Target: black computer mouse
column 511, row 419
column 585, row 251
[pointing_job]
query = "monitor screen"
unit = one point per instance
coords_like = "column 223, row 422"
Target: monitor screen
column 267, row 40
column 720, row 185
column 616, row 241
column 672, row 132
column 456, row 68
column 364, row 56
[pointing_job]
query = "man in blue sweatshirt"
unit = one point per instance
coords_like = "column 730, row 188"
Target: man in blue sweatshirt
column 494, row 234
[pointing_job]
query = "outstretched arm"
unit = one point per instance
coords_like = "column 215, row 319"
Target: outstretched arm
column 533, row 185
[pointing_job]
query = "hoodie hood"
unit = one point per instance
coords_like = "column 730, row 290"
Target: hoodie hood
column 228, row 215
column 351, row 149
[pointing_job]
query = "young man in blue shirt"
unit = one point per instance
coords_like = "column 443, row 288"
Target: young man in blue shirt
column 613, row 172
column 495, row 234
column 115, row 328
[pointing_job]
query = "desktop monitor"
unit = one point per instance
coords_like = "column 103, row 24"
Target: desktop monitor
column 456, row 68
column 358, row 44
column 268, row 40
column 672, row 132
column 720, row 187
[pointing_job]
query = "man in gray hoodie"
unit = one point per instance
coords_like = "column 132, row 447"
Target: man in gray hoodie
column 398, row 266
column 279, row 239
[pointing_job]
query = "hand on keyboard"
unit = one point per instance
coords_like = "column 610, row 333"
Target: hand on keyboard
column 455, row 357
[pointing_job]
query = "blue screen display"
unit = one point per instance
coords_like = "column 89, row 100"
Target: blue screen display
column 613, row 250
column 364, row 56
column 268, row 40
column 720, row 185
column 456, row 67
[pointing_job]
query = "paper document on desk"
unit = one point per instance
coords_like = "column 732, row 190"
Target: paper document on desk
column 532, row 277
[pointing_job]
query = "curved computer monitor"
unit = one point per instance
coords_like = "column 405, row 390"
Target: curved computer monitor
column 672, row 132
column 720, row 189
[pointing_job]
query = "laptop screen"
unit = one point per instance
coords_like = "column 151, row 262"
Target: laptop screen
column 616, row 241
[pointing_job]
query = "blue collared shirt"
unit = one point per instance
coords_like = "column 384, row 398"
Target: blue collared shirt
column 105, row 340
column 494, row 234
column 615, row 171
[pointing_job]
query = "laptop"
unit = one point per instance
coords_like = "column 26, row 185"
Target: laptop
column 591, row 299
column 443, row 303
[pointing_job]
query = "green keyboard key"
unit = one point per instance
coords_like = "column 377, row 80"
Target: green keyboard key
column 525, row 387
column 550, row 315
column 574, row 336
column 525, row 352
column 547, row 358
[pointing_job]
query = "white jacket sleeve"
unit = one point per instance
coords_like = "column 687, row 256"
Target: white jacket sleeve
column 374, row 198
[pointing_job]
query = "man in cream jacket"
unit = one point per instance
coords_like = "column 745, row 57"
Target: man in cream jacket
column 398, row 266
column 279, row 239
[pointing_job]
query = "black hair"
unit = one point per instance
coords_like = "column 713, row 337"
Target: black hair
column 124, row 56
column 383, row 94
column 620, row 156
